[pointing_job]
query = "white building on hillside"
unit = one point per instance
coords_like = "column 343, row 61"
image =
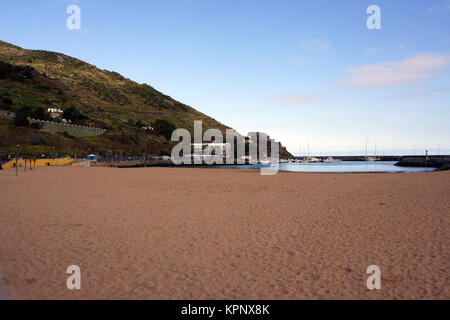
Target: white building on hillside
column 55, row 112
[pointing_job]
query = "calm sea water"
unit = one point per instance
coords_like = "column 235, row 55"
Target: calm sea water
column 340, row 167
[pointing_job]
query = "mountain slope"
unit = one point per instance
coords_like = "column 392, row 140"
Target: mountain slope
column 41, row 79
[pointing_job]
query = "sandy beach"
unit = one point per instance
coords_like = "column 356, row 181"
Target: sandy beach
column 173, row 233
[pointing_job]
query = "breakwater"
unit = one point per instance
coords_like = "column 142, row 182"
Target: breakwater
column 441, row 163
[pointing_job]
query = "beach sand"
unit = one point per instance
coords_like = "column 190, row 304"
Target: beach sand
column 174, row 233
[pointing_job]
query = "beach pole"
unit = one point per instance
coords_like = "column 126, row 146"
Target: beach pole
column 17, row 160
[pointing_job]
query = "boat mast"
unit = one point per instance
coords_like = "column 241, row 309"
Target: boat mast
column 366, row 148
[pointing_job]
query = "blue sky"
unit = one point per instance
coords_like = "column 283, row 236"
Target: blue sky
column 305, row 72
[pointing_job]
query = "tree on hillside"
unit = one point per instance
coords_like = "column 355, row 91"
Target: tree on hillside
column 5, row 69
column 40, row 114
column 21, row 117
column 17, row 73
column 164, row 128
column 6, row 103
column 139, row 124
column 74, row 115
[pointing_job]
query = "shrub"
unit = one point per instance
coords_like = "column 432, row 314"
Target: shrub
column 7, row 101
column 18, row 73
column 5, row 69
column 67, row 135
column 21, row 120
column 26, row 110
column 139, row 124
column 40, row 114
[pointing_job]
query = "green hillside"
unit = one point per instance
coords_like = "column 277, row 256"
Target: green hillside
column 31, row 81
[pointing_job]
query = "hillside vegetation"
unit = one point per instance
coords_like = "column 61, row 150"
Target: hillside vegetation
column 33, row 80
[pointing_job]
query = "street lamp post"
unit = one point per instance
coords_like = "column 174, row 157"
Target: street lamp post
column 34, row 158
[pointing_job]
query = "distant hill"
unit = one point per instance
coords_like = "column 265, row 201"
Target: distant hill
column 32, row 81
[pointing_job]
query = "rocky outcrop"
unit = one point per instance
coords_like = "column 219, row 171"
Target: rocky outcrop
column 440, row 164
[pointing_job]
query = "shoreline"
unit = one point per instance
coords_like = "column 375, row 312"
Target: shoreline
column 258, row 166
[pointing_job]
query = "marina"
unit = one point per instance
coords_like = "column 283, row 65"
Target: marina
column 337, row 167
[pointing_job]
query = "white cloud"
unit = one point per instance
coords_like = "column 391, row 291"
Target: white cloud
column 292, row 100
column 318, row 45
column 389, row 74
column 419, row 93
column 444, row 7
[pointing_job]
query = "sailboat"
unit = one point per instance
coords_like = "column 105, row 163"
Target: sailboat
column 371, row 158
column 367, row 158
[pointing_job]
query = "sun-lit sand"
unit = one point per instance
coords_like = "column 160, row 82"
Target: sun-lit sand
column 172, row 233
